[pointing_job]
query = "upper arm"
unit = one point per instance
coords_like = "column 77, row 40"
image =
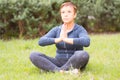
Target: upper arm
column 83, row 38
column 48, row 38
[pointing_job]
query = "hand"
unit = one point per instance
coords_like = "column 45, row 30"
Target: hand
column 68, row 40
column 63, row 33
column 63, row 36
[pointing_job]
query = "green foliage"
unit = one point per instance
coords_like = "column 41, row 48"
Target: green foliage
column 99, row 15
column 28, row 18
column 33, row 18
column 104, row 60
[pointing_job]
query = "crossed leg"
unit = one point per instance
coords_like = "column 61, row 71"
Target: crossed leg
column 78, row 60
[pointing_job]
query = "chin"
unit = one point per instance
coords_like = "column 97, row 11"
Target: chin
column 66, row 22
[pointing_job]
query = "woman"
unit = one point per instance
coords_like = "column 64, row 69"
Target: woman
column 69, row 38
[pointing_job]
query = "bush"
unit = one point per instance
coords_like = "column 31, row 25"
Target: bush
column 33, row 18
column 29, row 18
column 99, row 15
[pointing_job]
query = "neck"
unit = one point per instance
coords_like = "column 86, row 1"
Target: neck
column 70, row 26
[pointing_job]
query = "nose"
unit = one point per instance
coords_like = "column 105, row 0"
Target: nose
column 65, row 15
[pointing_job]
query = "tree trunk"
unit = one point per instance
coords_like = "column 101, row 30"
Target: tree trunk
column 21, row 28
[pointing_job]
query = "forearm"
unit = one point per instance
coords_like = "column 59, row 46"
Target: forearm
column 46, row 41
column 68, row 40
column 57, row 40
column 84, row 41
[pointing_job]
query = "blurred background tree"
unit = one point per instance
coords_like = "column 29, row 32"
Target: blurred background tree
column 33, row 18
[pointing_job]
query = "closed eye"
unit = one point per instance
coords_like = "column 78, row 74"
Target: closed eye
column 69, row 11
column 63, row 12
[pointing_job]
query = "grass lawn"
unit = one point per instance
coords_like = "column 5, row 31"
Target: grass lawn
column 104, row 63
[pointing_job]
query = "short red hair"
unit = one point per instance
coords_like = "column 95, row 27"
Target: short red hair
column 69, row 4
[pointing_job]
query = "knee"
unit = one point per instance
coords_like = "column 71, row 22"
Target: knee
column 85, row 55
column 32, row 55
column 82, row 55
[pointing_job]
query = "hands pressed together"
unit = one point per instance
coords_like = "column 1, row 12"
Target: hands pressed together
column 63, row 36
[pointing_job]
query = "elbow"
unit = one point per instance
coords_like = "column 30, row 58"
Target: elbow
column 87, row 43
column 41, row 43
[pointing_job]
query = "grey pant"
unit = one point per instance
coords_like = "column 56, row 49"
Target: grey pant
column 78, row 60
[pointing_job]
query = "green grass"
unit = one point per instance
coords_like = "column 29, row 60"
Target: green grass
column 104, row 61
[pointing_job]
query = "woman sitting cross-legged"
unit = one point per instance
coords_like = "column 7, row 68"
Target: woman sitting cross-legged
column 69, row 38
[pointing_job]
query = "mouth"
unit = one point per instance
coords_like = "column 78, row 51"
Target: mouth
column 65, row 18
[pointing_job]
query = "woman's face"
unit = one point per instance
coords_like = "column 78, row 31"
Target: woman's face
column 67, row 14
